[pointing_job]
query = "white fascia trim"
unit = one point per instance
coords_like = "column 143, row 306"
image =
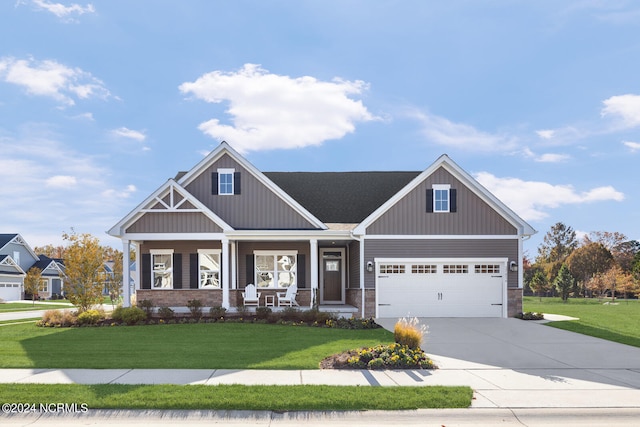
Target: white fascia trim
column 161, row 251
column 118, row 229
column 400, row 259
column 173, row 236
column 9, row 262
column 225, row 148
column 446, row 162
column 287, row 235
column 19, row 240
column 439, row 237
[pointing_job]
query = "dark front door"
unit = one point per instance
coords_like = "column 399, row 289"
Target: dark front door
column 332, row 277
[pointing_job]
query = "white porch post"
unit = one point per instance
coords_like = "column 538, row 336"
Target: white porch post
column 362, row 269
column 225, row 273
column 313, row 244
column 126, row 272
column 136, row 276
column 234, row 260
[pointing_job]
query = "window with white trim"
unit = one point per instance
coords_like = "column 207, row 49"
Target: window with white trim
column 162, row 268
column 209, row 267
column 424, row 269
column 275, row 269
column 441, row 197
column 16, row 257
column 392, row 268
column 487, row 268
column 44, row 285
column 225, row 181
column 455, row 269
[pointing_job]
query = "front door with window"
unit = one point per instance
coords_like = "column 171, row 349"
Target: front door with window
column 332, row 276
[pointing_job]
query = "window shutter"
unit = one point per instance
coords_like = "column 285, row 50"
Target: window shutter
column 302, row 270
column 214, row 183
column 146, row 271
column 194, row 276
column 177, row 271
column 236, row 183
column 430, row 200
column 453, row 200
column 249, row 269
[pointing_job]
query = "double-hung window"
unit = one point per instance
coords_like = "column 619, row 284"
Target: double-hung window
column 209, row 267
column 225, row 181
column 162, row 269
column 441, row 197
column 275, row 269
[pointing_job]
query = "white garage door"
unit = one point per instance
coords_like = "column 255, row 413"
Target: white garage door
column 449, row 288
column 10, row 291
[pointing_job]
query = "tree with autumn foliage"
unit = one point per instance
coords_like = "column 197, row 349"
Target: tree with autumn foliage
column 83, row 258
column 559, row 242
column 113, row 281
column 589, row 260
column 32, row 282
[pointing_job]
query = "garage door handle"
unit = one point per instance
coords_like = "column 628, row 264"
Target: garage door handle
column 496, row 276
column 383, row 277
column 380, row 305
column 496, row 304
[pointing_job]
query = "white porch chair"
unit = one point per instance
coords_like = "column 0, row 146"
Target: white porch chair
column 250, row 295
column 288, row 299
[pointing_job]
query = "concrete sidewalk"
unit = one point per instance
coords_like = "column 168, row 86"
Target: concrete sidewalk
column 493, row 388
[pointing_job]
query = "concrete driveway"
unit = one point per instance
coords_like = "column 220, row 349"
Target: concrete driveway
column 516, row 363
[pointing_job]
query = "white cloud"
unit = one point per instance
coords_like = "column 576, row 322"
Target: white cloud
column 546, row 134
column 623, row 107
column 119, row 194
column 459, row 135
column 532, row 199
column 633, row 146
column 129, row 133
column 51, row 79
column 49, row 187
column 273, row 111
column 547, row 157
column 66, row 13
column 61, row 181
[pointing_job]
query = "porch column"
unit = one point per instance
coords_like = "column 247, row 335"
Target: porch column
column 234, row 268
column 225, row 273
column 136, row 274
column 313, row 244
column 126, row 273
column 362, row 269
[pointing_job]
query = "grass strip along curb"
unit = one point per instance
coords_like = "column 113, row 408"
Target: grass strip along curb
column 239, row 397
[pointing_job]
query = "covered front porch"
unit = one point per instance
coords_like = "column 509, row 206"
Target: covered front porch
column 216, row 271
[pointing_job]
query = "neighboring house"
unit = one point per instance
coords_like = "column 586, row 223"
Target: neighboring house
column 16, row 258
column 383, row 244
column 52, row 271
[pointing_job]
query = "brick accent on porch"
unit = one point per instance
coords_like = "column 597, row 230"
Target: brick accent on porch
column 354, row 298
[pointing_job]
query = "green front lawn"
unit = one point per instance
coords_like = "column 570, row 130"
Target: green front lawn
column 239, row 397
column 24, row 306
column 190, row 346
column 619, row 322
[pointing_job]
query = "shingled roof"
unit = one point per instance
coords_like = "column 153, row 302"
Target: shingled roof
column 341, row 197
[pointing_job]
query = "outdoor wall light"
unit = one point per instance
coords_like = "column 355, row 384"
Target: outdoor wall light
column 369, row 266
column 513, row 266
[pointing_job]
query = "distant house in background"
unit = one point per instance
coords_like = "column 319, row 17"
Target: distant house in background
column 16, row 258
column 386, row 244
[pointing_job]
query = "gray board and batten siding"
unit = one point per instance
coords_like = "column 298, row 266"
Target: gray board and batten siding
column 174, row 222
column 473, row 216
column 257, row 207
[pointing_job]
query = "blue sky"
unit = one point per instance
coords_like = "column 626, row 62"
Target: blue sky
column 101, row 102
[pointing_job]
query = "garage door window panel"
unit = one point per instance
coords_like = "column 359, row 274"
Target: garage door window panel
column 455, row 269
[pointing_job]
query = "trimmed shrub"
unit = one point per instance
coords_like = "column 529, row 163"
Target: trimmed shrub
column 409, row 332
column 263, row 313
column 165, row 313
column 129, row 315
column 217, row 312
column 147, row 306
column 530, row 316
column 89, row 317
column 195, row 307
